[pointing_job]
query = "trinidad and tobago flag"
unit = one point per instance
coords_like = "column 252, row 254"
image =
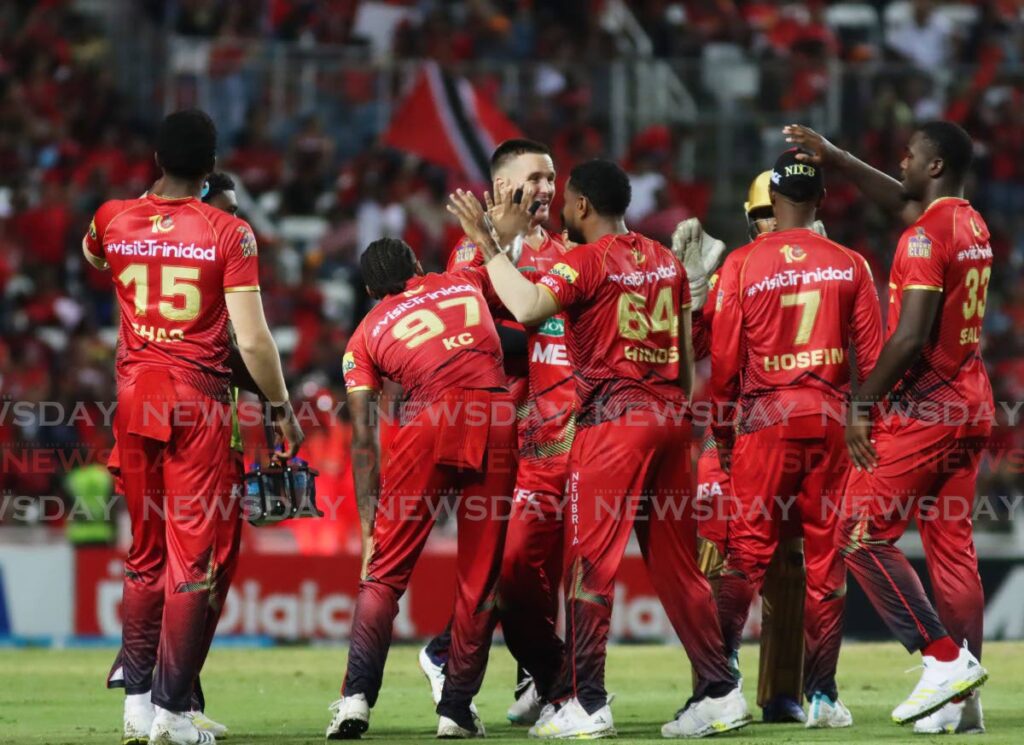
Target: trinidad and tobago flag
column 442, row 119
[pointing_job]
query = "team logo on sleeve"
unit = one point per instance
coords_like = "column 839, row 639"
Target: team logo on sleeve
column 713, row 281
column 793, row 253
column 975, row 228
column 348, row 362
column 247, row 242
column 466, row 251
column 719, row 300
column 565, row 271
column 162, row 223
column 919, row 246
column 92, row 230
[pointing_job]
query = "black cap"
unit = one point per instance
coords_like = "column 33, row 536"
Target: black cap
column 798, row 180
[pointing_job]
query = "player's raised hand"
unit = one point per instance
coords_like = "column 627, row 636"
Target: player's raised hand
column 470, row 214
column 512, row 210
column 819, row 150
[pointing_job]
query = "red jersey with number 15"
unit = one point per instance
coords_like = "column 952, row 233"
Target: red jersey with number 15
column 947, row 250
column 172, row 260
column 435, row 336
column 622, row 295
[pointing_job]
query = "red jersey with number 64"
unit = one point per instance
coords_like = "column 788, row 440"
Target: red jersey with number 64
column 435, row 336
column 622, row 296
column 172, row 260
column 947, row 250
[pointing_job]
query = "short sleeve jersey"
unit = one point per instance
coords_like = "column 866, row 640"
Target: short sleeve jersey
column 948, row 251
column 547, row 410
column 788, row 308
column 435, row 336
column 622, row 296
column 172, row 261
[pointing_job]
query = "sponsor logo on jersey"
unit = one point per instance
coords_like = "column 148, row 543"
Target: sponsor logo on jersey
column 162, row 250
column 552, row 327
column 713, row 281
column 974, row 253
column 635, row 279
column 564, row 271
column 792, row 277
column 416, row 299
column 919, row 246
column 162, row 223
column 719, row 300
column 348, row 362
column 792, row 253
column 247, row 242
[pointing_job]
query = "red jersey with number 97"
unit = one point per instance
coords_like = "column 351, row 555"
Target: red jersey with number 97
column 172, row 260
column 947, row 250
column 436, row 336
column 622, row 295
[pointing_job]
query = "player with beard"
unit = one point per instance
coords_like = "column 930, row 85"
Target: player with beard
column 545, row 399
column 920, row 421
column 629, row 342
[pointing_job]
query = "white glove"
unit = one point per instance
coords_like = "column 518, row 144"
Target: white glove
column 819, row 228
column 700, row 254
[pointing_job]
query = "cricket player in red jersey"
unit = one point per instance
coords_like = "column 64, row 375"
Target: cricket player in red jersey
column 218, row 191
column 788, row 309
column 627, row 301
column 433, row 334
column 546, row 404
column 181, row 270
column 917, row 453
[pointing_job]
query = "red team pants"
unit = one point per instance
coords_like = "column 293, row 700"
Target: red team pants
column 926, row 472
column 532, row 569
column 635, row 473
column 180, row 486
column 774, row 478
column 413, row 486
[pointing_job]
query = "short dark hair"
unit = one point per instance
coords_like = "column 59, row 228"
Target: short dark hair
column 511, row 148
column 219, row 182
column 387, row 264
column 604, row 184
column 186, row 144
column 952, row 144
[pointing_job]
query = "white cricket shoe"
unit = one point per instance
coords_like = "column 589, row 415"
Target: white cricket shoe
column 138, row 719
column 434, row 674
column 547, row 713
column 956, row 717
column 203, row 722
column 351, row 717
column 824, row 713
column 940, row 683
column 526, row 709
column 449, row 729
column 710, row 716
column 572, row 721
column 972, row 721
column 172, row 728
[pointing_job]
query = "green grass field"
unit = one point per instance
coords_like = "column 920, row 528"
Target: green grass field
column 281, row 695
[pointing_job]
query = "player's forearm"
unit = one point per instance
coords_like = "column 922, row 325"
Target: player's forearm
column 897, row 356
column 263, row 362
column 527, row 302
column 879, row 188
column 366, row 474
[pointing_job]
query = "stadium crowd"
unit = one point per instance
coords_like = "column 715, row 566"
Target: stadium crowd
column 65, row 148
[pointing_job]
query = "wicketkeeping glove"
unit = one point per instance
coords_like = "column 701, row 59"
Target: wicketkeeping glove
column 700, row 254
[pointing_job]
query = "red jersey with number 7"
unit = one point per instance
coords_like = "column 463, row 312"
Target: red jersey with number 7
column 172, row 260
column 436, row 336
column 788, row 308
column 622, row 296
column 947, row 250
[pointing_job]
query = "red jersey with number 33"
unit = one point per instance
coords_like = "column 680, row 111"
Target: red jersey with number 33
column 172, row 260
column 436, row 336
column 622, row 295
column 788, row 308
column 947, row 250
